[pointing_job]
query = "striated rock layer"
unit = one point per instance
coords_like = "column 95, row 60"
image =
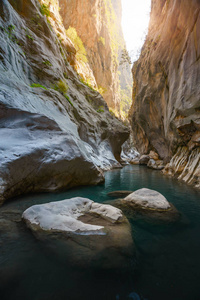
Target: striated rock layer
column 55, row 132
column 185, row 165
column 165, row 112
column 98, row 23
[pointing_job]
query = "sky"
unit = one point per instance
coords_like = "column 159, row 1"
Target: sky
column 135, row 19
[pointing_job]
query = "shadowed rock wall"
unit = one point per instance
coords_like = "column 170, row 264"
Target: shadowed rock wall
column 165, row 112
column 55, row 132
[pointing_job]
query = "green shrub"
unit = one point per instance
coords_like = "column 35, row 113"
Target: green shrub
column 65, row 75
column 81, row 53
column 88, row 83
column 62, row 87
column 102, row 40
column 44, row 9
column 29, row 36
column 100, row 109
column 11, row 28
column 101, row 90
column 67, row 97
column 112, row 112
column 10, row 32
column 37, row 85
column 47, row 63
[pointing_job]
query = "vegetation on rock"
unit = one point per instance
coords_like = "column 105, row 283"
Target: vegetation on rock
column 81, row 53
column 37, row 85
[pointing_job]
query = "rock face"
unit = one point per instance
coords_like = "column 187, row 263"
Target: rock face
column 165, row 113
column 129, row 152
column 98, row 24
column 185, row 165
column 55, row 131
column 155, row 164
column 144, row 159
column 89, row 231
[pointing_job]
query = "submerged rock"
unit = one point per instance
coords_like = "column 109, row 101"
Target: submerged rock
column 82, row 231
column 8, row 229
column 119, row 194
column 148, row 203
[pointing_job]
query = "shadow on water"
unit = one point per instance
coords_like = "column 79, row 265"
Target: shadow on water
column 167, row 261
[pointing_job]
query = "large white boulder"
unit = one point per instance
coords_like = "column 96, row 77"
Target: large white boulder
column 64, row 216
column 82, row 232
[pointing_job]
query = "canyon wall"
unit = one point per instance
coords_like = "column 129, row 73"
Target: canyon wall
column 165, row 112
column 98, row 24
column 55, row 131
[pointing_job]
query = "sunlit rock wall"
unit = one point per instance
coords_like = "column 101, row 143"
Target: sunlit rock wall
column 98, row 23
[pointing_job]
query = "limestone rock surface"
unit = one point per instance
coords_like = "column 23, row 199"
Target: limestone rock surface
column 53, row 134
column 63, row 216
column 185, row 165
column 144, row 159
column 148, row 199
column 165, row 112
column 155, row 164
column 87, row 231
column 129, row 152
column 98, row 26
column 149, row 205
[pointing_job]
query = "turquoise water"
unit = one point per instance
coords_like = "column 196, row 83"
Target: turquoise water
column 167, row 262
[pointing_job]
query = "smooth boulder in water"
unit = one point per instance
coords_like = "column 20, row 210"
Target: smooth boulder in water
column 83, row 232
column 148, row 203
column 146, row 198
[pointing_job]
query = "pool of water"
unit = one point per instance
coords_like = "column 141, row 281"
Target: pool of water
column 167, row 262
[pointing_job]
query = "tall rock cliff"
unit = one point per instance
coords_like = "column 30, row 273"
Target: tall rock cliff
column 55, row 131
column 98, row 24
column 165, row 112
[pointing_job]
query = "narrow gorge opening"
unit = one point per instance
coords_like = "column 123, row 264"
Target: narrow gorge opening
column 135, row 21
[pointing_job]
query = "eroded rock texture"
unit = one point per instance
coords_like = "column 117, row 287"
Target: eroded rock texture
column 165, row 113
column 98, row 23
column 55, row 132
column 83, row 232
